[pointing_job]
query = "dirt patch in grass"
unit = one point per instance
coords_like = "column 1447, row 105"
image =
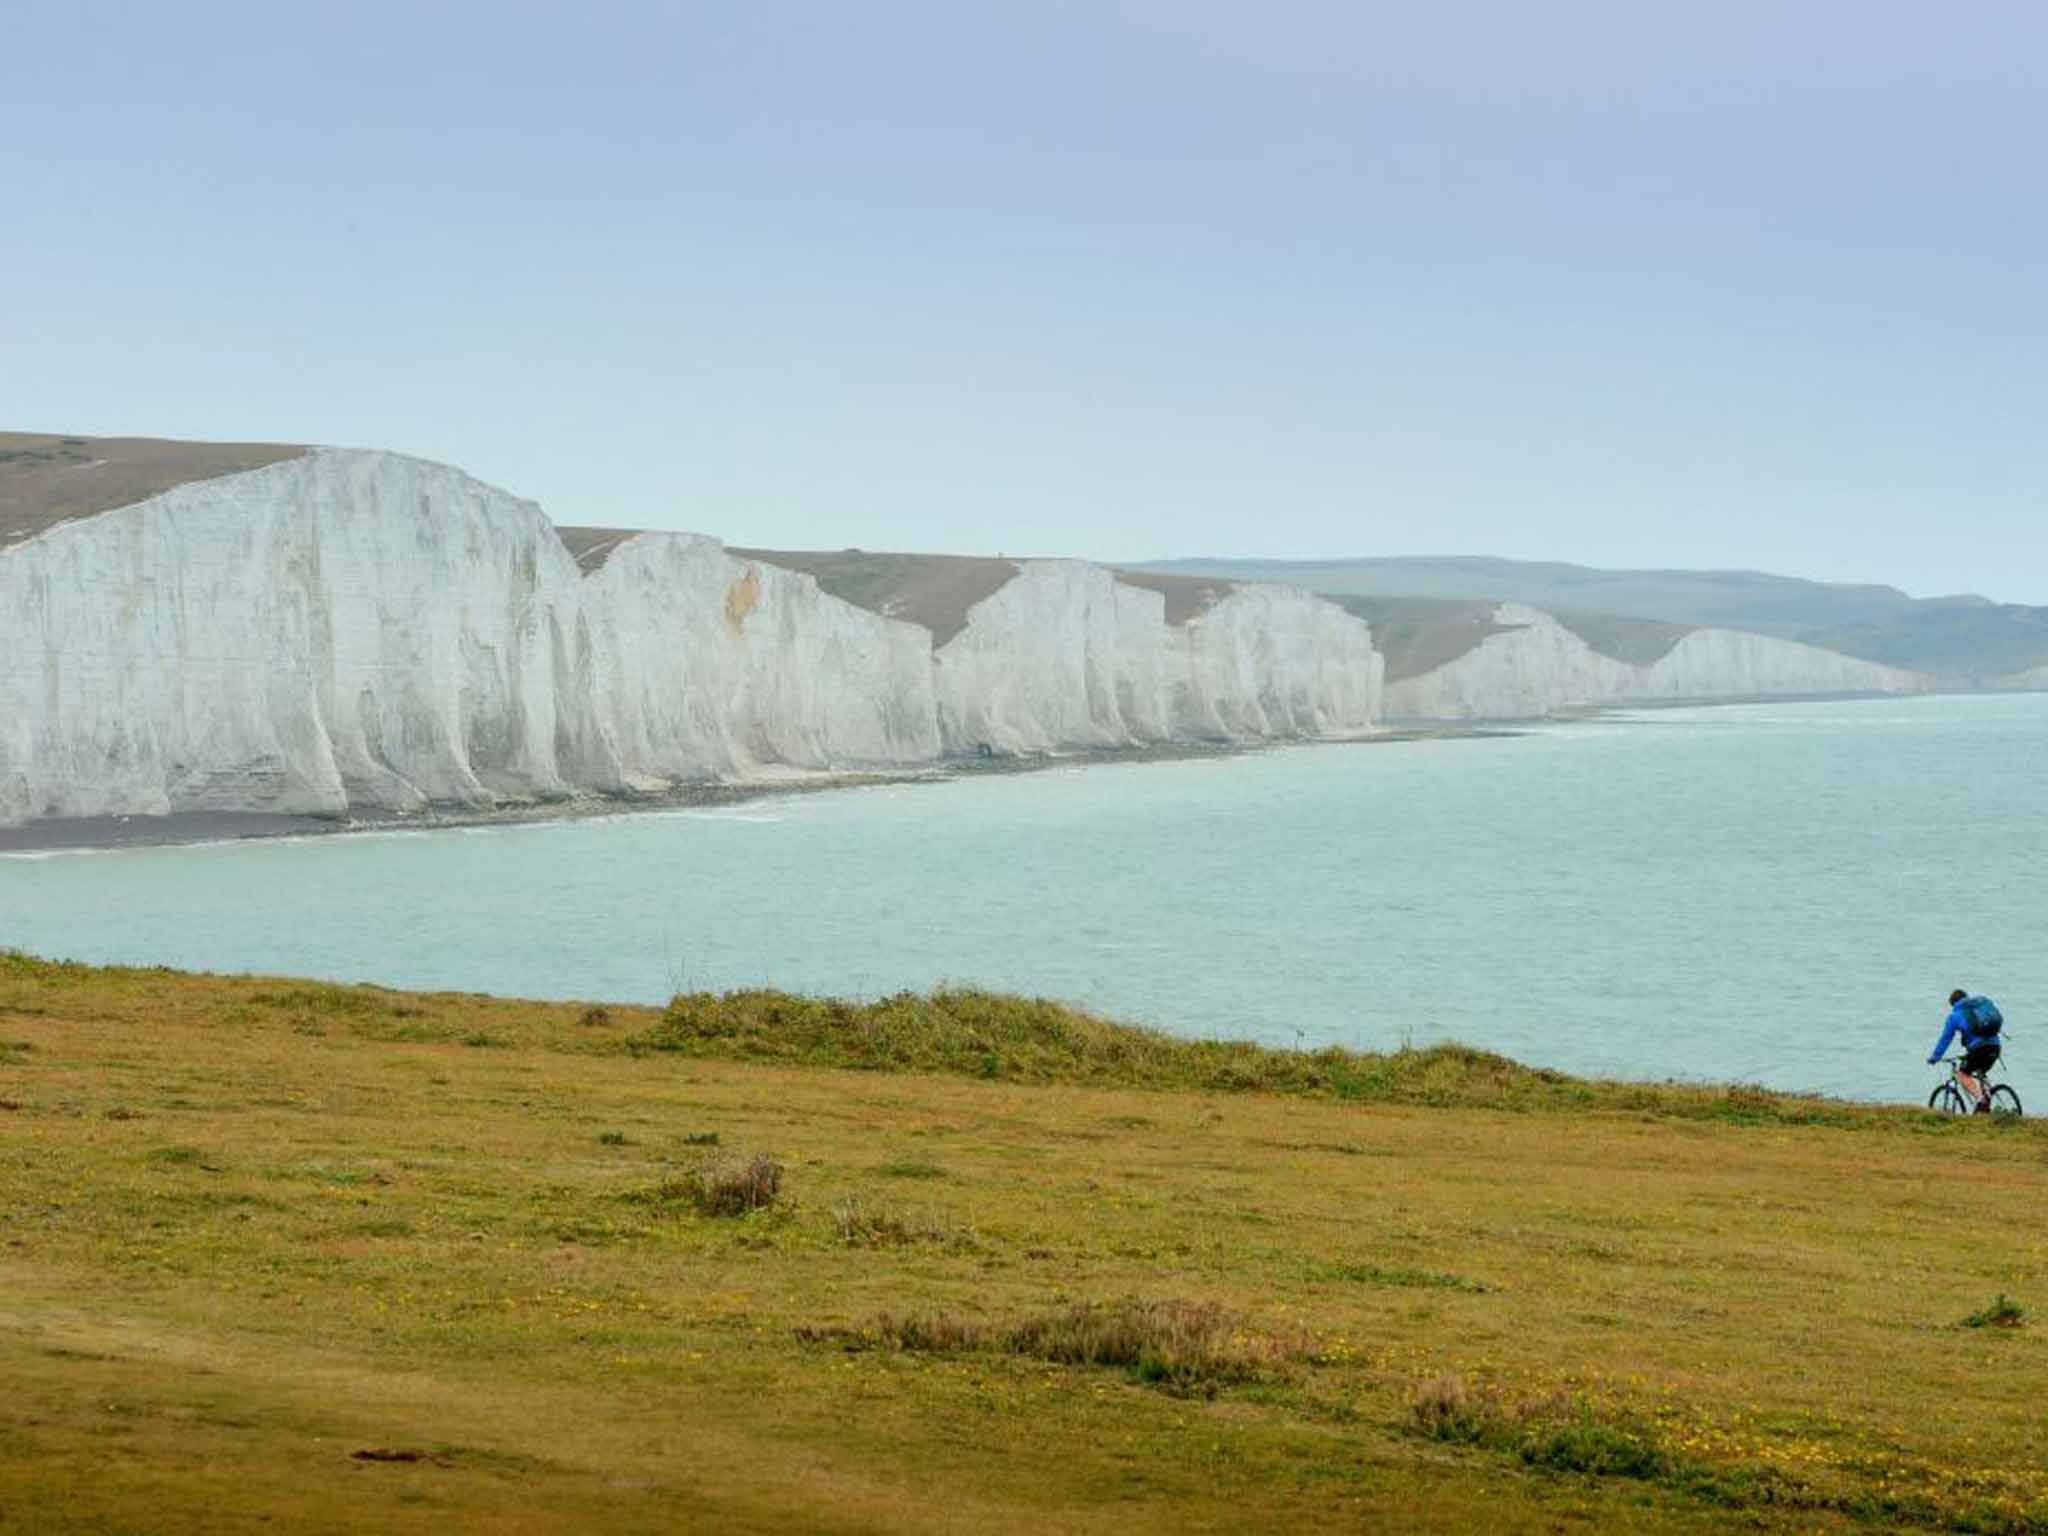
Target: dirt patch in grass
column 2003, row 1312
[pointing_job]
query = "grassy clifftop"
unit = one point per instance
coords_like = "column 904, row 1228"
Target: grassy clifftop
column 348, row 1258
column 46, row 479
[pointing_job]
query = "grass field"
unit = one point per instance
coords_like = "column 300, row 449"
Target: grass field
column 283, row 1255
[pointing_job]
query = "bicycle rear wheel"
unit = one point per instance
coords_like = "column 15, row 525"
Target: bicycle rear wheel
column 1948, row 1100
column 2004, row 1101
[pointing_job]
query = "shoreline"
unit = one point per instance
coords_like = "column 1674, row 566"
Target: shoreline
column 84, row 834
column 189, row 828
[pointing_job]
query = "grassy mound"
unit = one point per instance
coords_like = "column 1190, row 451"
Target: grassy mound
column 969, row 1032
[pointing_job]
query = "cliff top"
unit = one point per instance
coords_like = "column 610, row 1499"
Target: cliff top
column 47, row 478
column 933, row 590
column 1420, row 634
column 591, row 547
column 1187, row 597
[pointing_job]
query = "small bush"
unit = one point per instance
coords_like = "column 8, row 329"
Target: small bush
column 701, row 1139
column 613, row 1139
column 597, row 1016
column 1553, row 1431
column 1595, row 1447
column 1450, row 1409
column 732, row 1188
column 2002, row 1313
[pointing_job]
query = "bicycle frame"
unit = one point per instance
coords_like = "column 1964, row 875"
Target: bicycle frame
column 1955, row 1075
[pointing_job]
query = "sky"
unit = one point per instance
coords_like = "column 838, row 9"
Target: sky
column 1740, row 285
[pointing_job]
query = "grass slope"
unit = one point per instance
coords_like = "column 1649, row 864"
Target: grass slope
column 933, row 590
column 1975, row 642
column 46, row 479
column 340, row 1258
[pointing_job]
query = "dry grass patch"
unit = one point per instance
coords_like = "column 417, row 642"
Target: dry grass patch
column 859, row 1223
column 1185, row 1346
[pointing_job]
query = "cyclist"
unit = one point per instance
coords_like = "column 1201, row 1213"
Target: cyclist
column 1976, row 1019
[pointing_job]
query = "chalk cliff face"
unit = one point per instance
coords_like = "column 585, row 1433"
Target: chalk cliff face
column 1271, row 661
column 335, row 629
column 347, row 631
column 709, row 667
column 1536, row 666
column 2033, row 680
column 1066, row 655
column 344, row 631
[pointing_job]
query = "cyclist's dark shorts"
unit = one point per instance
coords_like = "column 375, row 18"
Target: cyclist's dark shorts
column 1978, row 1058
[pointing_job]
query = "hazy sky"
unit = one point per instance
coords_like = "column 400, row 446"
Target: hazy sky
column 1718, row 284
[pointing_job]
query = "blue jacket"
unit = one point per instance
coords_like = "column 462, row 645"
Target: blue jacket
column 1960, row 1022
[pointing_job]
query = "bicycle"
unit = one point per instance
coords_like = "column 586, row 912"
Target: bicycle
column 1949, row 1098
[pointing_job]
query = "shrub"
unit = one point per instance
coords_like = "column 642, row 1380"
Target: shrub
column 734, row 1188
column 2002, row 1313
column 1553, row 1431
column 597, row 1016
column 613, row 1138
column 1448, row 1408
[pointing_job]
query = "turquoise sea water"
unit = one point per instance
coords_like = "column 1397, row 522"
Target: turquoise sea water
column 1775, row 893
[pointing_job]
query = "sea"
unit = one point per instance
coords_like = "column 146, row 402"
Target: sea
column 1780, row 894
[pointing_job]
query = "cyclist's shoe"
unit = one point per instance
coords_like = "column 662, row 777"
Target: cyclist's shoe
column 1983, row 1107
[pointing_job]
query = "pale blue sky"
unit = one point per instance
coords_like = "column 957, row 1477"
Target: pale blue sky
column 1733, row 285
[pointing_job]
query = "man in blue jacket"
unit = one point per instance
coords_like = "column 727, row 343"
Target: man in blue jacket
column 1977, row 1020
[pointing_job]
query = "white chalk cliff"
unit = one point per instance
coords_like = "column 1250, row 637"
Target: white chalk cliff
column 1067, row 655
column 353, row 631
column 2033, row 680
column 1535, row 666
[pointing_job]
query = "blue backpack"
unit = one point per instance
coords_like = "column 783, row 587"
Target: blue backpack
column 1985, row 1019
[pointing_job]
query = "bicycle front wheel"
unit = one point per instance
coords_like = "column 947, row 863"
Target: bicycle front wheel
column 1948, row 1100
column 2004, row 1101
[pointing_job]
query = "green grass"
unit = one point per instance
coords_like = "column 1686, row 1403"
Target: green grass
column 1128, row 1283
column 973, row 1033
